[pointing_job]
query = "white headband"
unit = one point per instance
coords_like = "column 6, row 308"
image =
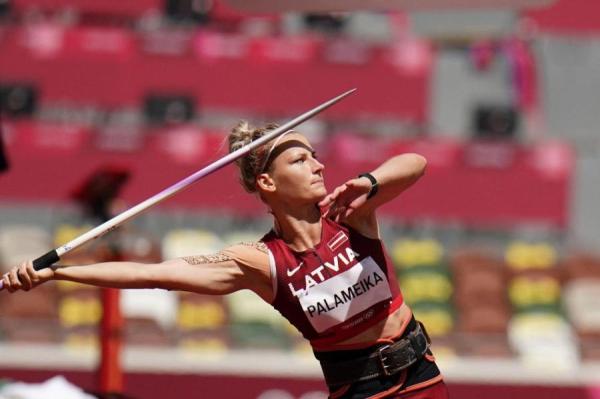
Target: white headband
column 277, row 140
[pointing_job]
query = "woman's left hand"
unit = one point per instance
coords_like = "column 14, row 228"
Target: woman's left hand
column 347, row 198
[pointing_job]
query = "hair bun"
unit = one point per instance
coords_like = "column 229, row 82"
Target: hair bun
column 241, row 135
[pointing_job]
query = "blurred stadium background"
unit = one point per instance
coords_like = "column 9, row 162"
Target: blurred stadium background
column 104, row 103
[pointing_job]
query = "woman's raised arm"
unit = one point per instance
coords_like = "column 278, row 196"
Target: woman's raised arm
column 357, row 197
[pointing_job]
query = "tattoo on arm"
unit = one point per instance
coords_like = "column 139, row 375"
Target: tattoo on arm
column 212, row 258
column 223, row 257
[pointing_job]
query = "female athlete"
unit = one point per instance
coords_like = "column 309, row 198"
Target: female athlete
column 323, row 266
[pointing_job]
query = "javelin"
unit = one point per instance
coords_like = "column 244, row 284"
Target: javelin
column 54, row 255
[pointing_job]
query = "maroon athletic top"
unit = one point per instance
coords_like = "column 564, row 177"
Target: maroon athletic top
column 336, row 290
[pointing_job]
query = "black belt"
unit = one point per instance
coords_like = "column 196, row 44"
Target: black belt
column 383, row 361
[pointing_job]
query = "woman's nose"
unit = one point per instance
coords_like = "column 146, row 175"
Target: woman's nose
column 318, row 166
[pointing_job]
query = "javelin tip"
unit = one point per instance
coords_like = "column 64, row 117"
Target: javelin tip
column 332, row 101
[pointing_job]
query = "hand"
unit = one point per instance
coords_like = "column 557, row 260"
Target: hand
column 24, row 277
column 347, row 198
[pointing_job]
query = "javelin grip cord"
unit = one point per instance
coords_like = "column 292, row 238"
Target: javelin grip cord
column 46, row 260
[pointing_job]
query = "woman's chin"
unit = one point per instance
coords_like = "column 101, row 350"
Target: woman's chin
column 321, row 193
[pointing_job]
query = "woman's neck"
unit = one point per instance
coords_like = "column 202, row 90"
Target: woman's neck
column 299, row 227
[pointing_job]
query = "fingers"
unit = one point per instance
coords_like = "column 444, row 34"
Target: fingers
column 23, row 277
column 331, row 198
column 13, row 281
column 337, row 202
column 328, row 200
column 360, row 184
column 345, row 199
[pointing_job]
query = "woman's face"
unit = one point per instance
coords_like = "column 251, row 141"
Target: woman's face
column 295, row 172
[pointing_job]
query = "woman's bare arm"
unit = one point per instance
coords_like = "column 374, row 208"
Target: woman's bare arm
column 216, row 274
column 394, row 176
column 216, row 278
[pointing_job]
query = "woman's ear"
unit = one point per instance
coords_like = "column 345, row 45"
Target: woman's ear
column 264, row 182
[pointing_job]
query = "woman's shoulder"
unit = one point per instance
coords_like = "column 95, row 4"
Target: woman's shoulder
column 259, row 246
column 253, row 254
column 253, row 258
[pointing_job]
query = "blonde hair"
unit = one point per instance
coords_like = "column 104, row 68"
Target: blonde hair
column 251, row 164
